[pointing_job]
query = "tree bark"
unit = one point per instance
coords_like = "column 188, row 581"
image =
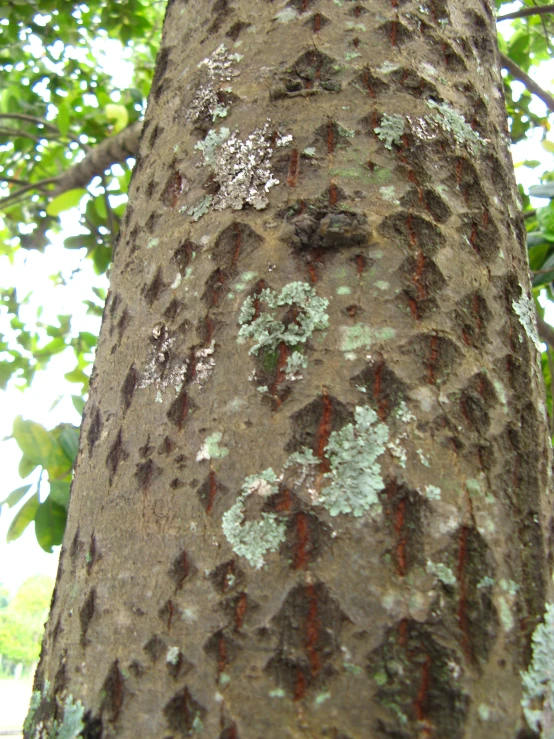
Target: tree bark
column 311, row 498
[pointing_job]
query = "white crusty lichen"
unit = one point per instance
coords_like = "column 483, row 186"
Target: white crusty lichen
column 524, row 308
column 219, row 69
column 391, row 130
column 267, row 331
column 211, row 448
column 538, row 681
column 242, row 168
column 355, row 475
column 254, row 539
column 162, row 369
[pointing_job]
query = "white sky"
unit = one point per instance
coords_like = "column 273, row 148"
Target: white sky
column 29, row 274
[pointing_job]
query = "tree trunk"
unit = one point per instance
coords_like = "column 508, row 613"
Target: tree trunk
column 311, row 498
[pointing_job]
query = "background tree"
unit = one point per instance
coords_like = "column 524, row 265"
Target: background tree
column 22, row 622
column 312, row 490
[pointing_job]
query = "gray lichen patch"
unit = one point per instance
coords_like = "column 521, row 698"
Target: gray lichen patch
column 242, row 168
column 267, row 331
column 538, row 681
column 253, row 539
column 212, row 448
column 391, row 130
column 355, row 475
column 525, row 311
column 452, row 122
column 218, row 70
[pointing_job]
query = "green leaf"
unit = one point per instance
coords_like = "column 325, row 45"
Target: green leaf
column 59, row 493
column 78, row 404
column 15, row 496
column 26, row 466
column 545, row 219
column 63, row 118
column 23, row 518
column 68, row 439
column 118, row 114
column 50, row 521
column 65, row 201
column 548, row 145
column 34, row 440
column 542, row 191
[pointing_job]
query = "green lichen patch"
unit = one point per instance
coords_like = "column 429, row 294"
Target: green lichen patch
column 267, row 331
column 538, row 681
column 391, row 130
column 524, row 308
column 452, row 122
column 255, row 538
column 355, row 475
column 211, row 448
column 362, row 336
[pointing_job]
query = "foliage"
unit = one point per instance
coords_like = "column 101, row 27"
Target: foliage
column 58, row 101
column 22, row 621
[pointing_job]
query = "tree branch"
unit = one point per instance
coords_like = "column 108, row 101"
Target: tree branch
column 30, row 119
column 524, row 12
column 546, row 331
column 114, row 149
column 518, row 74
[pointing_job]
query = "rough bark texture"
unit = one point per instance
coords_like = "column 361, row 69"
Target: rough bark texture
column 421, row 401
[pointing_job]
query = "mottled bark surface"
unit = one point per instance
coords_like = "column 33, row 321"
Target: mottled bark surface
column 413, row 393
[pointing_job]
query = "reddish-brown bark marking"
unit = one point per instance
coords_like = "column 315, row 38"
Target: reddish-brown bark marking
column 240, row 610
column 399, row 522
column 221, row 654
column 333, row 194
column 293, row 168
column 238, row 244
column 368, row 84
column 324, row 432
column 213, row 492
column 170, row 611
column 422, row 697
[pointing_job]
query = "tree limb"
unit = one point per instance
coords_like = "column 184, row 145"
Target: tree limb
column 114, row 149
column 518, row 74
column 524, row 12
column 546, row 331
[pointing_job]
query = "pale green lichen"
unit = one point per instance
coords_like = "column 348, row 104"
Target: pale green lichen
column 388, row 193
column 484, row 712
column 321, row 698
column 355, row 475
column 152, row 243
column 267, row 331
column 344, row 290
column 391, row 130
column 277, row 693
column 211, row 142
column 432, row 492
column 309, row 151
column 211, row 448
column 422, row 458
column 361, row 336
column 485, row 582
column 218, row 70
column 72, row 724
column 34, row 705
column 254, row 539
column 199, row 209
column 505, row 612
column 294, row 366
column 454, row 123
column 382, row 285
column 441, row 572
column 172, row 656
column 538, row 681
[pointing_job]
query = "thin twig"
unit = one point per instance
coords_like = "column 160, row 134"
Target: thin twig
column 109, row 211
column 22, row 190
column 524, row 12
column 529, row 214
column 31, row 119
column 518, row 74
column 21, row 135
